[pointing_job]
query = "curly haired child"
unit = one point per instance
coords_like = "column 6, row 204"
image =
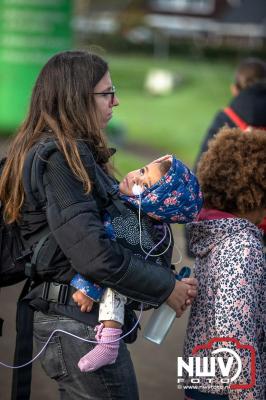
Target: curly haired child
column 230, row 263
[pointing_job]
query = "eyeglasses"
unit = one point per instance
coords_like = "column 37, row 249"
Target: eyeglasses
column 111, row 93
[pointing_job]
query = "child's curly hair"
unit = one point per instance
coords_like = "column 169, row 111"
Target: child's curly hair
column 232, row 172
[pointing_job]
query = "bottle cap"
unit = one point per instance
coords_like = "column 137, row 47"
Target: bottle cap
column 183, row 273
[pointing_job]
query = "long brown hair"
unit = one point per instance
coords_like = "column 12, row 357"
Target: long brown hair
column 61, row 104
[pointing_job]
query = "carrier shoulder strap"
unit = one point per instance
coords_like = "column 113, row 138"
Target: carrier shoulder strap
column 38, row 161
column 21, row 378
column 116, row 203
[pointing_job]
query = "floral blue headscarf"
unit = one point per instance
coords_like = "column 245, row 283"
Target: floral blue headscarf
column 175, row 198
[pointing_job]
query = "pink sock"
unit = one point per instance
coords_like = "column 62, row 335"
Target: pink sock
column 104, row 353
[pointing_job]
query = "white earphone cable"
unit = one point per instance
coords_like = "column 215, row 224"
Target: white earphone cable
column 140, row 236
column 74, row 336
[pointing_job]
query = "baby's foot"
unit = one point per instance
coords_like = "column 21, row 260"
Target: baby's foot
column 105, row 352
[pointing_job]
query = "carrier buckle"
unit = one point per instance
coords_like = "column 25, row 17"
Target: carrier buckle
column 55, row 292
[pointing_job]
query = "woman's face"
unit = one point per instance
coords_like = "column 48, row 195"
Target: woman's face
column 144, row 177
column 105, row 99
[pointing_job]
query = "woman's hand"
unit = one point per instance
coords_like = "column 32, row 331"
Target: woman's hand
column 84, row 302
column 193, row 290
column 183, row 294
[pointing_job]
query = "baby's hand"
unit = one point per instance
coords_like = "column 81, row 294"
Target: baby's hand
column 84, row 302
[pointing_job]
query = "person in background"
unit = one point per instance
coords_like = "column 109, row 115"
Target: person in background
column 246, row 108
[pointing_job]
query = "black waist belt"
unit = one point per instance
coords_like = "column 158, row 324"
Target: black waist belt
column 56, row 298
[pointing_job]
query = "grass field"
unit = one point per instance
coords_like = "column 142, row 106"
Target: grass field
column 175, row 123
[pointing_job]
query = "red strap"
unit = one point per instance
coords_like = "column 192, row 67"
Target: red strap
column 235, row 118
column 239, row 121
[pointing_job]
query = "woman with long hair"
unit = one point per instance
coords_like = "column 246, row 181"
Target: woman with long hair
column 71, row 103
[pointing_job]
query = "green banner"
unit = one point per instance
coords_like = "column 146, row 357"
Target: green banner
column 31, row 31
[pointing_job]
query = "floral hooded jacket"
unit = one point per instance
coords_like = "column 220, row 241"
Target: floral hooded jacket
column 231, row 303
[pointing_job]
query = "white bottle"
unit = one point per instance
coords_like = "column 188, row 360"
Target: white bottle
column 163, row 317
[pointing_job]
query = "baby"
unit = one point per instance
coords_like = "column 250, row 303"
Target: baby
column 167, row 191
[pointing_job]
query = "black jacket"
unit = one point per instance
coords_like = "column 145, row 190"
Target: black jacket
column 75, row 221
column 249, row 105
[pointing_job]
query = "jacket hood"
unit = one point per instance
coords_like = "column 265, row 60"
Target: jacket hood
column 176, row 197
column 205, row 235
column 250, row 105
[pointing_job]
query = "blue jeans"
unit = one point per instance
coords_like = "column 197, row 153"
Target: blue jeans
column 60, row 358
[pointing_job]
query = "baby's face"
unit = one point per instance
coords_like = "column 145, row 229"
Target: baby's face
column 144, row 177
